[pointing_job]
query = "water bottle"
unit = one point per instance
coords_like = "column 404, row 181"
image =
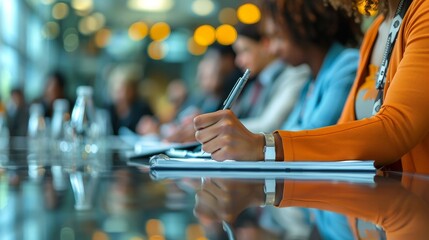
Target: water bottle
column 37, row 133
column 36, row 123
column 82, row 123
column 59, row 118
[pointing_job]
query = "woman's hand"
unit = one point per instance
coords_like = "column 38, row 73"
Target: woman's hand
column 225, row 137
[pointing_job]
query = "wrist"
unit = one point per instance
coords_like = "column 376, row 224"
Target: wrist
column 260, row 149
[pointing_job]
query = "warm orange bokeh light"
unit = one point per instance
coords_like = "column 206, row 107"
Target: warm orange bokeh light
column 226, row 34
column 205, row 35
column 160, row 31
column 248, row 13
column 138, row 31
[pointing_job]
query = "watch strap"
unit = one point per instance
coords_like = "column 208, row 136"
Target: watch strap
column 269, row 148
column 270, row 192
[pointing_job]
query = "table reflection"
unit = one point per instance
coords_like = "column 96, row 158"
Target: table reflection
column 393, row 207
column 52, row 196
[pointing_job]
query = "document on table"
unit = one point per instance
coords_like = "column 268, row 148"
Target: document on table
column 162, row 161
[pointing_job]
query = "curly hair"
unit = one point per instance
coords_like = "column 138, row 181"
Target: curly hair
column 315, row 22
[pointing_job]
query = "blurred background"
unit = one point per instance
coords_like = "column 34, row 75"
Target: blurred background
column 84, row 39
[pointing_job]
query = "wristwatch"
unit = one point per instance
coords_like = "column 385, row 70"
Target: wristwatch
column 270, row 192
column 269, row 148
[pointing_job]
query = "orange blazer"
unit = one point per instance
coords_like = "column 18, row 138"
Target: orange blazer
column 401, row 128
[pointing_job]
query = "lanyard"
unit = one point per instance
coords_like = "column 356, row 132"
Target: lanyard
column 391, row 39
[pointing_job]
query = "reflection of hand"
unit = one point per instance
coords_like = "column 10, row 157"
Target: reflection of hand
column 224, row 200
column 225, row 137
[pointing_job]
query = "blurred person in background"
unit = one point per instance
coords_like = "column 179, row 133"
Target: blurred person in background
column 17, row 113
column 178, row 95
column 273, row 87
column 127, row 107
column 216, row 74
column 331, row 54
column 55, row 88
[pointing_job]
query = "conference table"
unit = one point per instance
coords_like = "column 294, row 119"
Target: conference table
column 49, row 195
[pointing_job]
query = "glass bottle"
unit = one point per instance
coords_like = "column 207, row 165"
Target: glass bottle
column 59, row 118
column 36, row 123
column 82, row 123
column 58, row 124
column 37, row 133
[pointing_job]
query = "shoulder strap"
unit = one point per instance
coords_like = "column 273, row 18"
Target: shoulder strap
column 391, row 39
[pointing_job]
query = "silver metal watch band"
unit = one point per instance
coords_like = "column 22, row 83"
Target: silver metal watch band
column 269, row 148
column 270, row 191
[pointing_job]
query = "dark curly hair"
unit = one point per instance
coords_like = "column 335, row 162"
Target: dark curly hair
column 314, row 22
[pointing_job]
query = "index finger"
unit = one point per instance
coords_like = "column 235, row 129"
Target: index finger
column 208, row 119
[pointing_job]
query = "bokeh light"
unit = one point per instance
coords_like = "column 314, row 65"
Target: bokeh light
column 82, row 5
column 160, row 31
column 157, row 50
column 205, row 35
column 138, row 31
column 70, row 40
column 91, row 23
column 151, row 5
column 226, row 34
column 102, row 37
column 248, row 13
column 60, row 11
column 154, row 227
column 203, row 7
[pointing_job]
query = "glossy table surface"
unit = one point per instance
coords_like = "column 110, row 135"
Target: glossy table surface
column 50, row 195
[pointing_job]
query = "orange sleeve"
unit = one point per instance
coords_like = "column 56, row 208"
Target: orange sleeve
column 402, row 214
column 403, row 121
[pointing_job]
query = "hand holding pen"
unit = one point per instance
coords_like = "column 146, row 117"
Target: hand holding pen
column 225, row 137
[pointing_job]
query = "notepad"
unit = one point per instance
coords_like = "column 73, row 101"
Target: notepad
column 161, row 161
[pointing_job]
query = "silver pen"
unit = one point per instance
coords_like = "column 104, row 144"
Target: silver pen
column 236, row 90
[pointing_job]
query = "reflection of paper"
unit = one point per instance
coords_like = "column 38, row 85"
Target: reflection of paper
column 354, row 177
column 163, row 162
